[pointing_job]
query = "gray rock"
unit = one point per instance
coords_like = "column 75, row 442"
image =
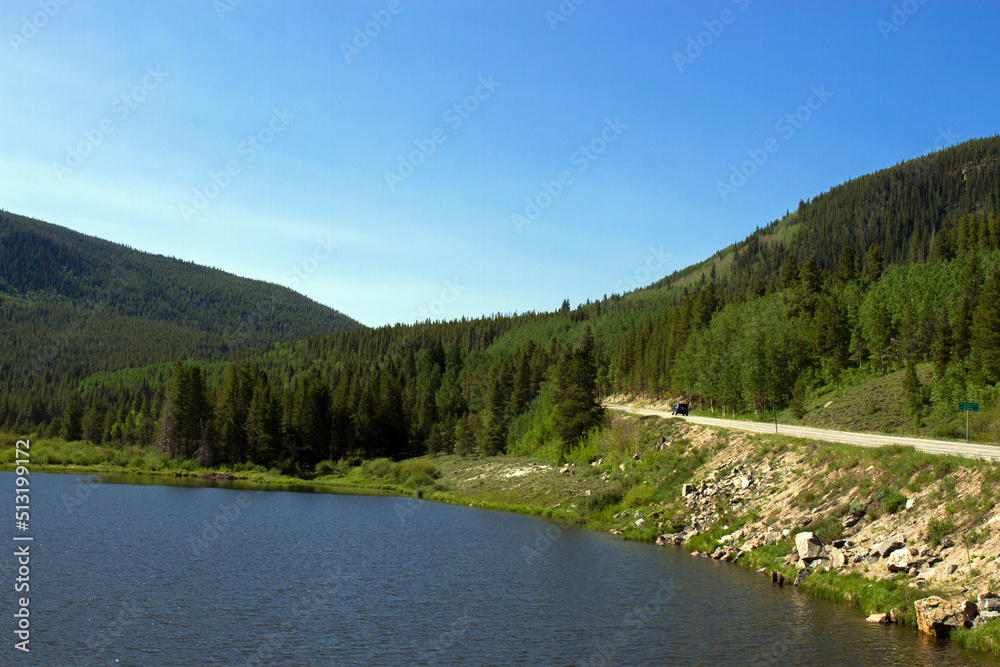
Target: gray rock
column 808, row 546
column 688, row 489
column 886, row 547
column 801, row 575
column 988, row 602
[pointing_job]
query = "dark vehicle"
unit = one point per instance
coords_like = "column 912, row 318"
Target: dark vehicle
column 680, row 409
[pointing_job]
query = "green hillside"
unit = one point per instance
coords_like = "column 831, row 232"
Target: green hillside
column 73, row 305
column 843, row 299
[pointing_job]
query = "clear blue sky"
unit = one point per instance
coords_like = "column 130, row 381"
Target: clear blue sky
column 116, row 115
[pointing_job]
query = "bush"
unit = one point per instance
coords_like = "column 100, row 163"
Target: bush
column 378, row 468
column 937, row 530
column 604, row 498
column 326, row 467
column 421, row 466
column 419, row 480
column 891, row 500
column 639, row 495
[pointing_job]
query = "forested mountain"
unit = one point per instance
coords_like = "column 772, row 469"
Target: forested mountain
column 72, row 305
column 883, row 273
column 902, row 210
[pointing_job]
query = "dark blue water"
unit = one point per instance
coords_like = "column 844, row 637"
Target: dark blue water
column 175, row 575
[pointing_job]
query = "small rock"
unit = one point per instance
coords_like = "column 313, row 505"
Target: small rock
column 688, row 489
column 970, row 609
column 622, row 467
column 564, row 469
column 896, row 615
column 837, row 559
column 639, row 522
column 879, row 618
column 910, row 502
column 950, row 569
column 801, row 575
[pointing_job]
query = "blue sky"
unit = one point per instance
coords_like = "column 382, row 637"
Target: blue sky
column 467, row 158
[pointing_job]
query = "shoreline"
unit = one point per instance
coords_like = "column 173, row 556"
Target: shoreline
column 748, row 496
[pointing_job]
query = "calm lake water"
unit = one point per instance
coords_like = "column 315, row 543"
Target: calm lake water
column 142, row 574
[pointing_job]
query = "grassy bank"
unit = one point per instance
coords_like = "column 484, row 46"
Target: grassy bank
column 628, row 478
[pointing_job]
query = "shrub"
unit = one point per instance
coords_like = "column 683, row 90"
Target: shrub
column 377, row 468
column 937, row 530
column 419, row 480
column 891, row 500
column 418, row 466
column 639, row 495
column 326, row 467
column 604, row 498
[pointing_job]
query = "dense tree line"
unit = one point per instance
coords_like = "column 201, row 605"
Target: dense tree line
column 883, row 273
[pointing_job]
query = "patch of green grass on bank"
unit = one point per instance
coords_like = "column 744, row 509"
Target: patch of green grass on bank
column 986, row 638
column 871, row 596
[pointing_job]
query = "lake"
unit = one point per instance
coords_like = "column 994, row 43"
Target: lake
column 164, row 574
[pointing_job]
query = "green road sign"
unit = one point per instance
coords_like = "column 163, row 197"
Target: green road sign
column 968, row 407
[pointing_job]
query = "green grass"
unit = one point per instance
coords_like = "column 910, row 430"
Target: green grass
column 986, row 638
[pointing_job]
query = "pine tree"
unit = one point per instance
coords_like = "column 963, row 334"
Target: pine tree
column 986, row 328
column 789, row 273
column 578, row 408
column 942, row 344
column 845, row 271
column 873, row 268
column 73, row 422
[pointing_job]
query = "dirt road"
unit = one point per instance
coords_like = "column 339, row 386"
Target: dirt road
column 863, row 439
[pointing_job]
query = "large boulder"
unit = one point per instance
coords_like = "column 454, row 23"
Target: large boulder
column 808, row 546
column 886, row 547
column 988, row 602
column 937, row 617
column 900, row 560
